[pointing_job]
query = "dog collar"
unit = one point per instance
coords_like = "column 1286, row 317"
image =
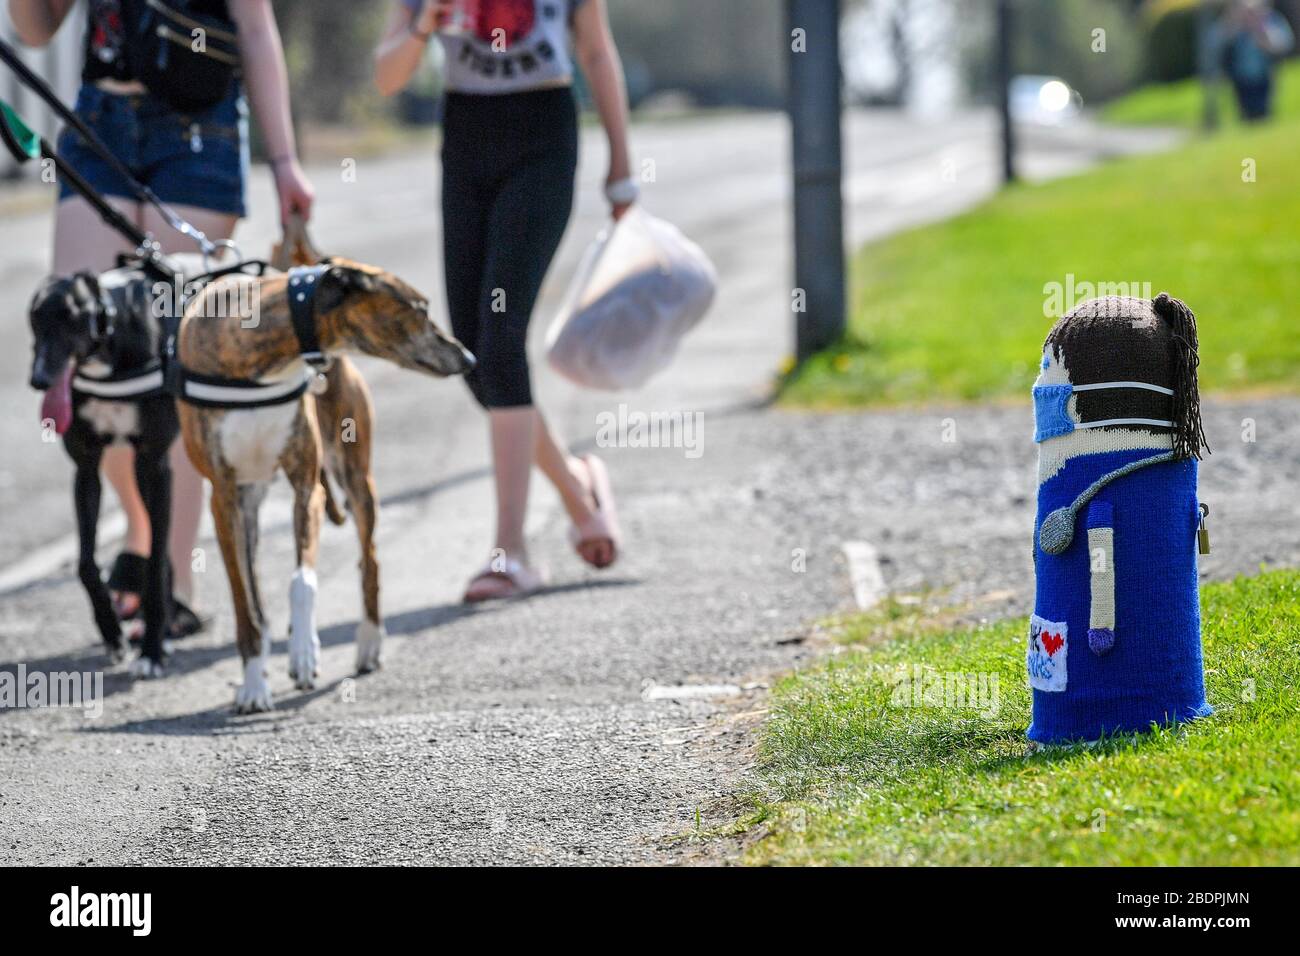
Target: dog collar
column 304, row 281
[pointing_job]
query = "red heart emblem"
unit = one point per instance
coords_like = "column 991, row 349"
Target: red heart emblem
column 515, row 18
column 1051, row 642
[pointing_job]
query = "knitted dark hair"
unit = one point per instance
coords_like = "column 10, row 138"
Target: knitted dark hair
column 1189, row 435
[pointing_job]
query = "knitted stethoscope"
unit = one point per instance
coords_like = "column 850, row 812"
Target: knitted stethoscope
column 1057, row 530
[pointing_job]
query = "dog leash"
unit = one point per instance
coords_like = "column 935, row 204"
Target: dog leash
column 211, row 391
column 142, row 192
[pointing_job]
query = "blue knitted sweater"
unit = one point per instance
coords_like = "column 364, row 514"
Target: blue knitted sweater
column 1146, row 667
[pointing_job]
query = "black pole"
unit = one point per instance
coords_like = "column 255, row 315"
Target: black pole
column 814, row 106
column 1005, row 26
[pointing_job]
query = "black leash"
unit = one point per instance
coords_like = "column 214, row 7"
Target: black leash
column 142, row 192
column 196, row 389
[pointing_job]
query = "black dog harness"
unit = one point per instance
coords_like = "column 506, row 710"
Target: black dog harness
column 213, row 391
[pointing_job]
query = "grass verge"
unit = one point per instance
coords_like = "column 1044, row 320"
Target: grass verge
column 959, row 310
column 855, row 779
column 1182, row 103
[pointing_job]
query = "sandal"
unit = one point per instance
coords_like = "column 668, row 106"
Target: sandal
column 602, row 527
column 129, row 575
column 185, row 623
column 513, row 580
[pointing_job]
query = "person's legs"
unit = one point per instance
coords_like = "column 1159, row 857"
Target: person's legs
column 512, row 432
column 527, row 221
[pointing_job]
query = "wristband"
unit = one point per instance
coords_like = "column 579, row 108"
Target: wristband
column 622, row 192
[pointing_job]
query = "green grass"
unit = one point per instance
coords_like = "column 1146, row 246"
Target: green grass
column 955, row 311
column 854, row 778
column 1181, row 103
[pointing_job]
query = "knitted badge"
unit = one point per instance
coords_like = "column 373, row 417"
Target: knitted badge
column 1125, row 339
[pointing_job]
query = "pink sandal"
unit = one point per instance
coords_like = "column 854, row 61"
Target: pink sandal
column 513, row 580
column 602, row 526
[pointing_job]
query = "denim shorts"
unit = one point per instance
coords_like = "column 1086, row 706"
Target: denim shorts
column 187, row 159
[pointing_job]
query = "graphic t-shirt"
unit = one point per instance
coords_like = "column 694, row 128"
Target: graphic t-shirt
column 511, row 45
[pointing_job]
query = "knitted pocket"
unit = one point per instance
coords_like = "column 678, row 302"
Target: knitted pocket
column 1049, row 648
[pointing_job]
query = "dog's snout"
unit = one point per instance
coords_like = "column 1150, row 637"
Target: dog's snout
column 41, row 378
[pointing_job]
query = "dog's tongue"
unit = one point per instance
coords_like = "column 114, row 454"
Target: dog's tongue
column 57, row 403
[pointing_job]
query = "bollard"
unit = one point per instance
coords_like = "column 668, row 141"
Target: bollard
column 1114, row 642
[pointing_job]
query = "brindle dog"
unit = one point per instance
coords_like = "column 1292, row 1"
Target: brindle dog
column 360, row 309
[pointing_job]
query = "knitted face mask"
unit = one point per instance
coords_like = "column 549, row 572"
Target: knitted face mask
column 1052, row 408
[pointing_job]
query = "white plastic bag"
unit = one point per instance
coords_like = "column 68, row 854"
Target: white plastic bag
column 641, row 286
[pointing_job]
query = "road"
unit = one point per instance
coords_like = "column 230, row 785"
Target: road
column 551, row 731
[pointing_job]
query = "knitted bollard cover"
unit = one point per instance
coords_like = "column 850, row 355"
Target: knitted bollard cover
column 1114, row 642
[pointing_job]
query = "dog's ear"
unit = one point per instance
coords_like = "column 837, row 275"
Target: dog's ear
column 341, row 280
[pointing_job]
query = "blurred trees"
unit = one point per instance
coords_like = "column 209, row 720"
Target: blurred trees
column 1097, row 46
column 328, row 45
column 718, row 51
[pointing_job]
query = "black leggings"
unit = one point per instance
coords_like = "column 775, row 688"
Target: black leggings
column 508, row 164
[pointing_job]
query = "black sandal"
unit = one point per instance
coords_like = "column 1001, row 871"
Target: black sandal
column 129, row 575
column 185, row 623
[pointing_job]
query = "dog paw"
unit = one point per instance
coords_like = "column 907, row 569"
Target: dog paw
column 370, row 646
column 146, row 668
column 304, row 661
column 254, row 695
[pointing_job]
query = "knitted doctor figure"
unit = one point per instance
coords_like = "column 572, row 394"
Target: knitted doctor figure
column 1115, row 638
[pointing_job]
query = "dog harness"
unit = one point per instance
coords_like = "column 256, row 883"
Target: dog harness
column 214, row 391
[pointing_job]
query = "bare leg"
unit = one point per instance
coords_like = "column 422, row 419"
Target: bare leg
column 513, row 445
column 572, row 480
column 565, row 472
column 512, row 432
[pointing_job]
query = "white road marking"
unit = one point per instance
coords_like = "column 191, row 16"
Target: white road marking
column 654, row 691
column 48, row 559
column 864, row 573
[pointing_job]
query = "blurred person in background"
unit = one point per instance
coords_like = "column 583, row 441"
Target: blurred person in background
column 195, row 160
column 1251, row 37
column 509, row 158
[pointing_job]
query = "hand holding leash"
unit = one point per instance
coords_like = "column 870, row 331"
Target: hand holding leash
column 294, row 189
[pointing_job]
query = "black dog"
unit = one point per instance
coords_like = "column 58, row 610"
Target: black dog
column 106, row 326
